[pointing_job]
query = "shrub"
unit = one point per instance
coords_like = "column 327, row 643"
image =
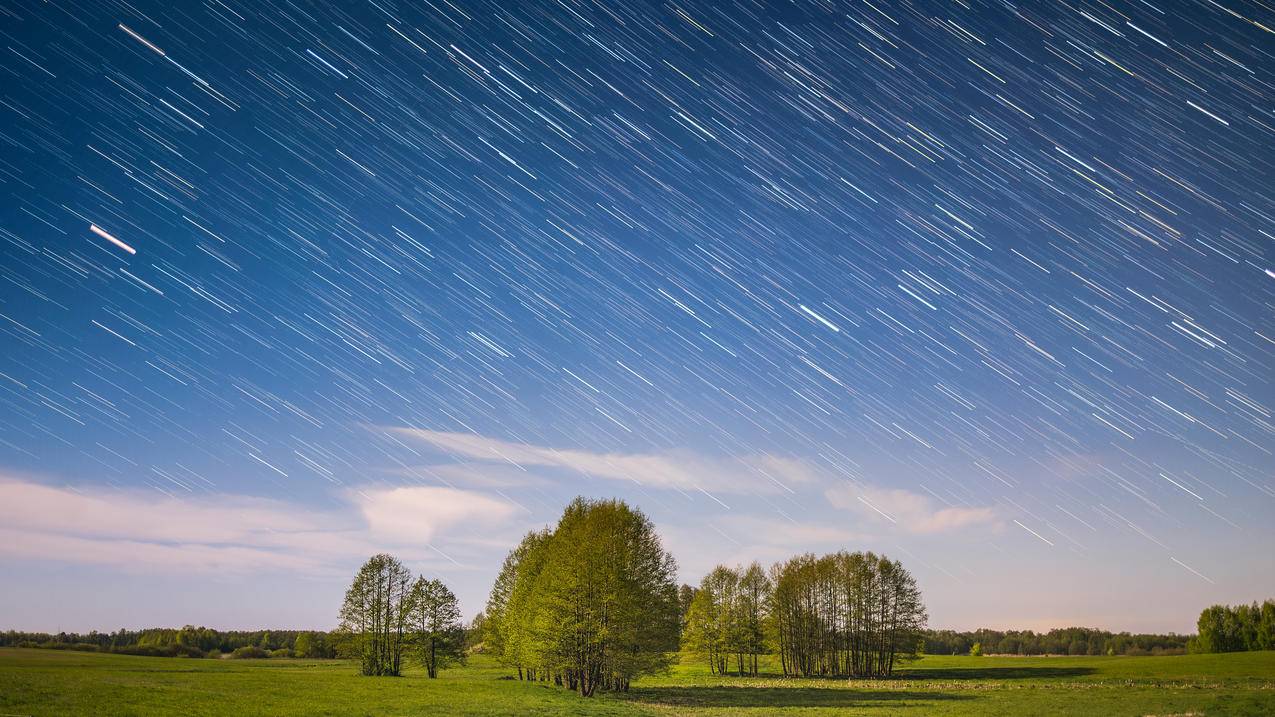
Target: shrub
column 157, row 651
column 313, row 644
column 76, row 646
column 249, row 652
column 187, row 651
column 281, row 652
column 976, row 650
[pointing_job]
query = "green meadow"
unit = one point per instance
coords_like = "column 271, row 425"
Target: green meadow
column 50, row 682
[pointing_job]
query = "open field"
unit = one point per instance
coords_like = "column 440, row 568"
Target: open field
column 45, row 682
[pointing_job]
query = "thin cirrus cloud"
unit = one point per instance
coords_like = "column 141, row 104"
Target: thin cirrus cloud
column 760, row 473
column 878, row 507
column 681, row 470
column 140, row 530
column 907, row 511
column 739, row 539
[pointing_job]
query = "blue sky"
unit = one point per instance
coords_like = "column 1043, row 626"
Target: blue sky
column 988, row 289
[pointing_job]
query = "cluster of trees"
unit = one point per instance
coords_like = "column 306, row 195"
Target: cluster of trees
column 845, row 614
column 855, row 614
column 1059, row 641
column 725, row 618
column 386, row 613
column 1225, row 628
column 588, row 605
column 187, row 641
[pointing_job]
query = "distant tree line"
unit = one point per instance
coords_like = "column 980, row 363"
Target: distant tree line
column 847, row 614
column 589, row 605
column 1226, row 628
column 1059, row 641
column 188, row 641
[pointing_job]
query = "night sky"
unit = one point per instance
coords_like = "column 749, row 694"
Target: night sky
column 985, row 286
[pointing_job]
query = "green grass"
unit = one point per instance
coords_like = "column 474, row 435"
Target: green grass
column 45, row 682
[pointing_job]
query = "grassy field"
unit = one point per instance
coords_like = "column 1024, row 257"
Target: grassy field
column 43, row 682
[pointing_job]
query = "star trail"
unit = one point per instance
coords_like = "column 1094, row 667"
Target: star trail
column 997, row 271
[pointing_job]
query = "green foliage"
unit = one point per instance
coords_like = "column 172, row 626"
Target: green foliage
column 685, row 594
column 305, row 645
column 1059, row 641
column 374, row 616
column 856, row 614
column 249, row 652
column 476, row 632
column 591, row 604
column 313, row 645
column 387, row 612
column 1225, row 628
column 725, row 621
column 159, row 651
column 437, row 635
column 188, row 641
column 502, row 635
column 976, row 650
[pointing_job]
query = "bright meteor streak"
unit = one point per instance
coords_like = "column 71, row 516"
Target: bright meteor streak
column 105, row 235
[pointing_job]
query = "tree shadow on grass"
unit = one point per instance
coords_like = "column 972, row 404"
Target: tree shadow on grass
column 995, row 673
column 744, row 696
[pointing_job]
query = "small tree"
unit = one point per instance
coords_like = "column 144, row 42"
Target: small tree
column 311, row 644
column 699, row 636
column 754, row 594
column 304, row 645
column 685, row 594
column 976, row 650
column 374, row 615
column 437, row 635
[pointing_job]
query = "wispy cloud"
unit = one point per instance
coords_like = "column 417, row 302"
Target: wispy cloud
column 907, row 511
column 789, row 534
column 417, row 514
column 683, row 470
column 738, row 539
column 141, row 530
column 760, row 473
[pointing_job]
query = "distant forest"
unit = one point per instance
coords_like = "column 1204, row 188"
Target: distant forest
column 191, row 641
column 1059, row 641
column 1222, row 629
column 188, row 641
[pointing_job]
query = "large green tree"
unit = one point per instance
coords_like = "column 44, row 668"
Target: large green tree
column 591, row 604
column 509, row 610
